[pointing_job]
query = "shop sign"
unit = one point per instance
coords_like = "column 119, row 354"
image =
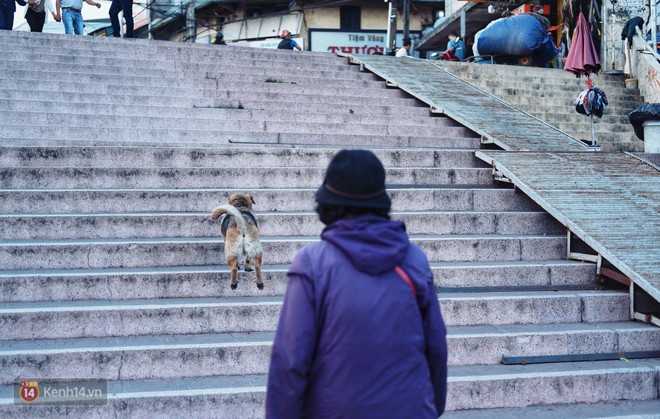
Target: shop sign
column 367, row 43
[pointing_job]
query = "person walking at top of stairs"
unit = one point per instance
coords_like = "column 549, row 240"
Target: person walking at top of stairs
column 7, row 10
column 125, row 6
column 70, row 11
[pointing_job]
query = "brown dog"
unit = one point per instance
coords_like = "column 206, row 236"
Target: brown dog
column 241, row 234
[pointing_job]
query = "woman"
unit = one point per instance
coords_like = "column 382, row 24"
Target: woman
column 35, row 14
column 360, row 334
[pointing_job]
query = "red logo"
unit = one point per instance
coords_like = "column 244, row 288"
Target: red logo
column 29, row 391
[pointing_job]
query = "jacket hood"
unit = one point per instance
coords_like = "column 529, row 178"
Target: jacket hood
column 372, row 244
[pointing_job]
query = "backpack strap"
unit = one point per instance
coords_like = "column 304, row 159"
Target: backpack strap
column 406, row 278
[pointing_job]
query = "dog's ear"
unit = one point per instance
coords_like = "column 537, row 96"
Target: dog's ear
column 252, row 199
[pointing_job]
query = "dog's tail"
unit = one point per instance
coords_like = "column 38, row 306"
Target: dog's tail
column 231, row 210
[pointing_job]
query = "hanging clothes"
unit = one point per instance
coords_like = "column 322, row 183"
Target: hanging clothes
column 592, row 100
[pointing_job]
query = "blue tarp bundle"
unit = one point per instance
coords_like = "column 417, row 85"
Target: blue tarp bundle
column 518, row 36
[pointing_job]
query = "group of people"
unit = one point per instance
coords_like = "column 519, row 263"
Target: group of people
column 455, row 48
column 69, row 12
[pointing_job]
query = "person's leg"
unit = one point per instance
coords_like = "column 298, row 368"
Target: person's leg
column 67, row 20
column 115, row 8
column 78, row 23
column 127, row 8
column 31, row 19
column 6, row 19
column 40, row 20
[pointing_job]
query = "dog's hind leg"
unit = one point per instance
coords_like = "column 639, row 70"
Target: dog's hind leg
column 233, row 265
column 248, row 264
column 257, row 272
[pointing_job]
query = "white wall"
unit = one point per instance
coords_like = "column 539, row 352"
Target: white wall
column 647, row 71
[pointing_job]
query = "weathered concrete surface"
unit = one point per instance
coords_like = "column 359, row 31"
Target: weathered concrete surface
column 111, row 268
column 493, row 119
column 609, row 200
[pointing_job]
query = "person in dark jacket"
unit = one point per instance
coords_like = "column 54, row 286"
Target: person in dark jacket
column 628, row 31
column 7, row 10
column 219, row 39
column 360, row 334
column 125, row 6
column 287, row 42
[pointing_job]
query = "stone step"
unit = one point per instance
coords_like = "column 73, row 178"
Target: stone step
column 417, row 198
column 200, row 62
column 347, row 114
column 11, row 121
column 237, row 353
column 191, row 251
column 615, row 409
column 537, row 73
column 398, row 107
column 198, row 224
column 211, row 281
column 113, row 318
column 161, row 48
column 636, row 146
column 226, row 157
column 167, row 51
column 558, row 90
column 568, row 110
column 613, row 141
column 602, row 125
column 202, row 138
column 266, row 91
column 498, row 386
column 574, row 117
column 205, row 88
column 532, row 98
column 195, row 71
column 556, row 84
column 210, row 79
column 231, row 99
column 243, row 396
column 257, row 177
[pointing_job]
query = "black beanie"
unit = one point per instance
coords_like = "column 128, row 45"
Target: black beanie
column 354, row 178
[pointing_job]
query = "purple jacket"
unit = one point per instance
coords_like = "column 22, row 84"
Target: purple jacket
column 352, row 342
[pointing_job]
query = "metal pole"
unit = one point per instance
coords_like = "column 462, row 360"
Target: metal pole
column 654, row 25
column 191, row 30
column 149, row 20
column 593, row 131
column 390, row 42
column 603, row 39
column 406, row 19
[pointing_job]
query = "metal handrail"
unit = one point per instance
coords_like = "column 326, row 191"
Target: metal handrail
column 647, row 47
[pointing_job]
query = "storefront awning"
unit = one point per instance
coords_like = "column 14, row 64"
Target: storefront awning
column 476, row 18
column 262, row 27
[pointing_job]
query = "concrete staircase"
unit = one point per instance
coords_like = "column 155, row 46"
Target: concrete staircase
column 113, row 154
column 549, row 94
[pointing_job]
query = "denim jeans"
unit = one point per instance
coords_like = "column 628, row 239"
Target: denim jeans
column 73, row 22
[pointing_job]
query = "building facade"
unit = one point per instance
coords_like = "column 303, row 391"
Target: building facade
column 357, row 27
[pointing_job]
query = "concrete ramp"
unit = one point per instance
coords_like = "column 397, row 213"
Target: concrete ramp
column 611, row 201
column 495, row 120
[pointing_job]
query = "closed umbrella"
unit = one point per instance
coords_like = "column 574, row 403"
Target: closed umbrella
column 582, row 58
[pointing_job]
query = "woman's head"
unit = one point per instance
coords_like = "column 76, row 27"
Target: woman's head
column 354, row 184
